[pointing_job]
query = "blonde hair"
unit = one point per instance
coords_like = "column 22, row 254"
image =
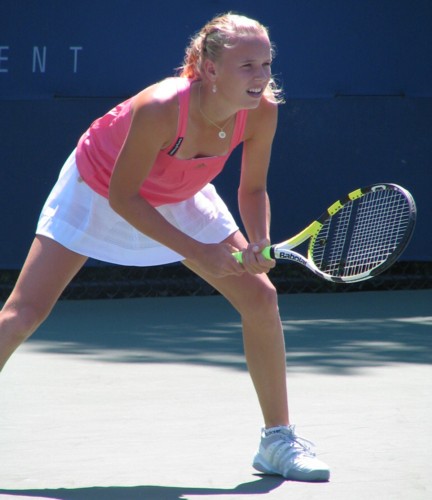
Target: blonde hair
column 219, row 33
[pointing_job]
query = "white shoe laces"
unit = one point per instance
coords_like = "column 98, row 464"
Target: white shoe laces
column 285, row 446
column 302, row 445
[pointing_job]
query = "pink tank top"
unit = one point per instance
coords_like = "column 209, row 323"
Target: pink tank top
column 171, row 179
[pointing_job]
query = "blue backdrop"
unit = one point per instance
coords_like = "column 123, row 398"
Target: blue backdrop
column 357, row 76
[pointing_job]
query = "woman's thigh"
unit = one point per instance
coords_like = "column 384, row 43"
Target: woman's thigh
column 48, row 269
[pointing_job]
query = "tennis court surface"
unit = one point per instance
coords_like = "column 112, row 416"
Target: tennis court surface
column 149, row 398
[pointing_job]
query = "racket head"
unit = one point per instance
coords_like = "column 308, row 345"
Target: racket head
column 363, row 234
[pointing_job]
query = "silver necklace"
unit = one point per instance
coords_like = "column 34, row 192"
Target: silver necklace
column 222, row 133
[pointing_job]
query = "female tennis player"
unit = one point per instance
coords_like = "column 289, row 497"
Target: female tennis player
column 137, row 191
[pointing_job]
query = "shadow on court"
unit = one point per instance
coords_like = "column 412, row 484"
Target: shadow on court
column 263, row 486
column 334, row 333
column 107, row 391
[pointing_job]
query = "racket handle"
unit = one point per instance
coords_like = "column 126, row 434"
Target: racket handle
column 266, row 253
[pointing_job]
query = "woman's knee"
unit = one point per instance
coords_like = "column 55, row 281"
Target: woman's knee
column 261, row 298
column 21, row 320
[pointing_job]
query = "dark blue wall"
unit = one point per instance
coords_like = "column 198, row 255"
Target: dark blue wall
column 357, row 76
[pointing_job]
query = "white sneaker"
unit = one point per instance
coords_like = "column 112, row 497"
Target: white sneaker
column 282, row 452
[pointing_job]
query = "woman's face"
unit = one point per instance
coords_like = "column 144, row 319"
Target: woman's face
column 244, row 70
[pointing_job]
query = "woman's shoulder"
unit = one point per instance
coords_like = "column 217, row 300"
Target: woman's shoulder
column 164, row 92
column 156, row 108
column 161, row 99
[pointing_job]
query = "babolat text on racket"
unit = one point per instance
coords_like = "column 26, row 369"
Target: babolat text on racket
column 356, row 238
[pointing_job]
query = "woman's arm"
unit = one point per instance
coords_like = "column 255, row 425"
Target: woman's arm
column 152, row 128
column 254, row 204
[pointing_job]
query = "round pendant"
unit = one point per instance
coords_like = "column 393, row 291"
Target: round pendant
column 222, row 134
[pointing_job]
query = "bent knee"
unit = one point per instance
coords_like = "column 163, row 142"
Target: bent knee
column 260, row 299
column 20, row 321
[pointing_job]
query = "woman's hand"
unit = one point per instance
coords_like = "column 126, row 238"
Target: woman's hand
column 253, row 260
column 217, row 260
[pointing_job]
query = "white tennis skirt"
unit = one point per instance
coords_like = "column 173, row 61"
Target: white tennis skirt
column 81, row 220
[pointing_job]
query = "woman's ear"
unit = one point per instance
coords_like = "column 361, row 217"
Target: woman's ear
column 209, row 69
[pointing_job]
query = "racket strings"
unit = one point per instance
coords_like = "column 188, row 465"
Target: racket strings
column 363, row 234
column 381, row 223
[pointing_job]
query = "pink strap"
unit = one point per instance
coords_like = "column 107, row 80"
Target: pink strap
column 183, row 92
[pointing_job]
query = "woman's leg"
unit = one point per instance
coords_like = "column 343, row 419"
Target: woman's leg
column 48, row 269
column 255, row 298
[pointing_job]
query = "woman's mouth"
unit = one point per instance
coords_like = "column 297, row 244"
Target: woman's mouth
column 255, row 92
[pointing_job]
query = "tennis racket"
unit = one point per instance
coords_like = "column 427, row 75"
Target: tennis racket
column 356, row 238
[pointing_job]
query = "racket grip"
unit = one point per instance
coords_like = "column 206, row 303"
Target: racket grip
column 238, row 256
column 266, row 253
